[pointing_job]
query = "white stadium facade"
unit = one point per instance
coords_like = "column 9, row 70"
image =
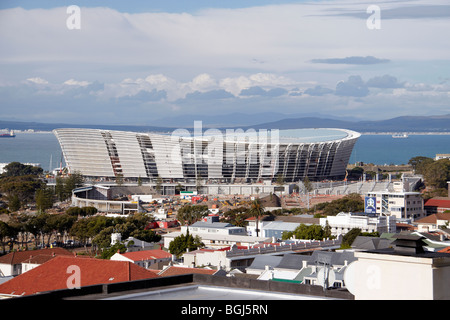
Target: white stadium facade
column 221, row 157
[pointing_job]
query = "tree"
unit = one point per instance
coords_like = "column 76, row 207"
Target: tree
column 158, row 186
column 312, row 232
column 16, row 169
column 182, row 243
column 189, row 214
column 44, row 199
column 349, row 237
column 257, row 211
column 4, row 234
column 419, row 163
column 437, row 173
column 71, row 182
column 308, row 185
column 350, row 203
column 20, row 190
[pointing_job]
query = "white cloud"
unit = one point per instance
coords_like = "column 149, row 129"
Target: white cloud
column 73, row 82
column 37, row 80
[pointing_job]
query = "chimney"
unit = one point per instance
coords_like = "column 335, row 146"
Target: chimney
column 408, row 244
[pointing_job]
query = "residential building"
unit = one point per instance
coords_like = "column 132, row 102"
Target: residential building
column 310, row 269
column 433, row 222
column 216, row 234
column 16, row 262
column 440, row 156
column 211, row 225
column 64, row 272
column 145, row 259
column 262, row 263
column 179, row 270
column 437, row 205
column 404, row 272
column 343, row 222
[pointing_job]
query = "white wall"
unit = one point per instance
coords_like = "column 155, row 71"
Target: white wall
column 395, row 277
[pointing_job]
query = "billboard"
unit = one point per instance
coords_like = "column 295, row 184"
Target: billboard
column 370, row 205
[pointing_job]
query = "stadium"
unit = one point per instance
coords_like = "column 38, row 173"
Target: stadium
column 217, row 157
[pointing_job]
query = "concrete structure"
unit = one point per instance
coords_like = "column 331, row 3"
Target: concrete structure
column 225, row 157
column 440, row 156
column 405, row 272
column 343, row 222
column 241, row 257
column 404, row 205
column 195, row 287
column 99, row 197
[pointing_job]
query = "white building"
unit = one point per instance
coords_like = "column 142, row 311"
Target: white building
column 343, row 222
column 145, row 258
column 400, row 202
column 216, row 234
column 403, row 273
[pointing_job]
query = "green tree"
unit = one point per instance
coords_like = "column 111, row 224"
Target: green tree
column 308, row 185
column 44, row 199
column 14, row 203
column 189, row 214
column 257, row 211
column 437, row 173
column 16, row 169
column 419, row 163
column 107, row 253
column 312, row 232
column 349, row 237
column 182, row 243
column 4, row 234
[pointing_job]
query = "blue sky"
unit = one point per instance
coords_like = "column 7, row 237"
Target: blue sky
column 142, row 62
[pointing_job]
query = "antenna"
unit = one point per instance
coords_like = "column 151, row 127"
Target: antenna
column 325, row 276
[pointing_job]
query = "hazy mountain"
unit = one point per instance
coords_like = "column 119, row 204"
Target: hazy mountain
column 244, row 121
column 398, row 124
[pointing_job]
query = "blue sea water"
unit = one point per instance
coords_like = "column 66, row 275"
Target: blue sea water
column 378, row 149
column 383, row 149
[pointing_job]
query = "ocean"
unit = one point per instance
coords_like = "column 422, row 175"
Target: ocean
column 43, row 148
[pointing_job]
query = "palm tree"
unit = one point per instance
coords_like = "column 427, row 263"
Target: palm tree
column 257, row 211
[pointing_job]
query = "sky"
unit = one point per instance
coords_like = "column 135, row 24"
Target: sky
column 142, row 62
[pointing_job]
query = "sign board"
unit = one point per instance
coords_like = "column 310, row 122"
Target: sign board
column 370, row 205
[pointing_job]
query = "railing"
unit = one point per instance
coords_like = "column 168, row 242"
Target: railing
column 270, row 248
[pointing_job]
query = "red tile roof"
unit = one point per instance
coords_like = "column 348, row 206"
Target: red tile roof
column 436, row 202
column 434, row 217
column 18, row 257
column 56, row 274
column 173, row 271
column 147, row 255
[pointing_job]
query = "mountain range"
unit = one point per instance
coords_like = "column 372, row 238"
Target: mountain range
column 439, row 123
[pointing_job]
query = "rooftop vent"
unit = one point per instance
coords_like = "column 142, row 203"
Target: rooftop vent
column 408, row 244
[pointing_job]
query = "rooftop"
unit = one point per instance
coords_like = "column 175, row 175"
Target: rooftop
column 54, row 275
column 147, row 255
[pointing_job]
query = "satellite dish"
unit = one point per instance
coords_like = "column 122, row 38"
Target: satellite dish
column 322, row 277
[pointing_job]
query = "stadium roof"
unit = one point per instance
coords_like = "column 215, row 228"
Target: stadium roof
column 308, row 135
